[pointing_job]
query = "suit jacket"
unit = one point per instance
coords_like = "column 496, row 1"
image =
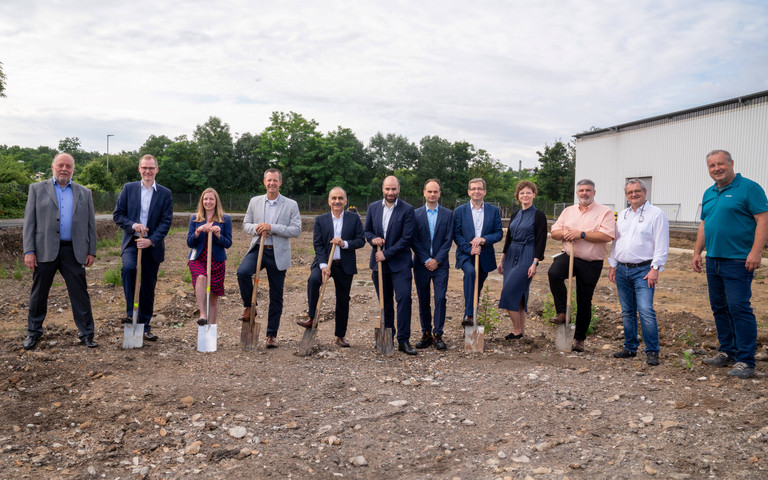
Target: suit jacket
column 218, row 254
column 397, row 245
column 287, row 225
column 351, row 232
column 41, row 222
column 128, row 212
column 464, row 232
column 441, row 243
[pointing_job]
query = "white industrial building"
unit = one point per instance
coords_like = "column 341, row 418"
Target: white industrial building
column 669, row 153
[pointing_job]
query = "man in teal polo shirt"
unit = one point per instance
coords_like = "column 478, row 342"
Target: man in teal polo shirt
column 734, row 229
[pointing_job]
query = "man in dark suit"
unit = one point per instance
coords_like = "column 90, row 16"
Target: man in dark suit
column 59, row 234
column 476, row 227
column 144, row 211
column 431, row 243
column 389, row 224
column 344, row 230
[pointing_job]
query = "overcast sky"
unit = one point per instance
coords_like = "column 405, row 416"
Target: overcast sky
column 506, row 76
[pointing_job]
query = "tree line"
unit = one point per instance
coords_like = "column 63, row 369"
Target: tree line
column 311, row 163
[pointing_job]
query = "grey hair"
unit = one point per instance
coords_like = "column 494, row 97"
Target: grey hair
column 635, row 180
column 476, row 180
column 586, row 181
column 724, row 152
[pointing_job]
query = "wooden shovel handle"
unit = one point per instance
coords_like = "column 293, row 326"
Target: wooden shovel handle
column 256, row 277
column 322, row 289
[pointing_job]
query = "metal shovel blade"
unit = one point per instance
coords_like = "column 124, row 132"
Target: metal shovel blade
column 474, row 339
column 133, row 334
column 307, row 342
column 384, row 341
column 206, row 338
column 564, row 340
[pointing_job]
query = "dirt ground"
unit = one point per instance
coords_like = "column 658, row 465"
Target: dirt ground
column 519, row 410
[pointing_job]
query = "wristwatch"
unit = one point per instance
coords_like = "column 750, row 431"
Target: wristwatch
column 655, row 267
column 536, row 263
column 583, row 235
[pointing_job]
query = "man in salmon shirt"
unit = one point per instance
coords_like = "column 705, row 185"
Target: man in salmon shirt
column 588, row 226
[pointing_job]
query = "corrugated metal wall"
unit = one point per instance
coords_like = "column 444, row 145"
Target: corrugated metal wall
column 673, row 152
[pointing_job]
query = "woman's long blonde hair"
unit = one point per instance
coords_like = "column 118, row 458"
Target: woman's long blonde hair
column 218, row 212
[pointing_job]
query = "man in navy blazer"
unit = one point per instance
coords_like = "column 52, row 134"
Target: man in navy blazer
column 476, row 227
column 144, row 211
column 389, row 224
column 344, row 230
column 431, row 243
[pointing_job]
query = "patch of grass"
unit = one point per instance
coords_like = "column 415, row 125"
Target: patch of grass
column 161, row 273
column 487, row 313
column 3, row 272
column 18, row 270
column 112, row 276
column 688, row 338
column 187, row 276
column 688, row 357
column 174, row 230
column 300, row 250
column 179, row 324
column 111, row 242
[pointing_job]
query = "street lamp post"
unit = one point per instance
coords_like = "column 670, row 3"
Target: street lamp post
column 108, row 135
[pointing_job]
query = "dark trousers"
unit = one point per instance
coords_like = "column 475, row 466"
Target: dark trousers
column 149, row 269
column 399, row 284
column 342, row 283
column 468, row 268
column 276, row 280
column 422, row 278
column 77, row 287
column 586, row 273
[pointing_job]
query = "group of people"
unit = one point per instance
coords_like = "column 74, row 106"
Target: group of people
column 411, row 247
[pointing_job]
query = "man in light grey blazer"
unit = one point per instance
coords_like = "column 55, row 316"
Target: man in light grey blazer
column 277, row 217
column 59, row 234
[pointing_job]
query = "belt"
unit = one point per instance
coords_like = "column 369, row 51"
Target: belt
column 65, row 243
column 268, row 247
column 636, row 265
column 337, row 262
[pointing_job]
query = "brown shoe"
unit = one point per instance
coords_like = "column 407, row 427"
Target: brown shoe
column 578, row 346
column 271, row 342
column 306, row 323
column 246, row 316
column 342, row 342
column 559, row 319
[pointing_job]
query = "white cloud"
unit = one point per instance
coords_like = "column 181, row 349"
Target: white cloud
column 507, row 76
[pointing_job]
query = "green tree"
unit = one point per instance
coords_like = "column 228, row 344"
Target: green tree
column 123, row 169
column 249, row 166
column 155, row 146
column 341, row 161
column 557, row 171
column 489, row 169
column 215, row 144
column 391, row 152
column 290, row 143
column 95, row 176
column 2, row 81
column 176, row 171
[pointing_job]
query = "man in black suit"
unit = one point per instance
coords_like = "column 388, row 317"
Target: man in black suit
column 431, row 244
column 59, row 234
column 144, row 211
column 389, row 224
column 344, row 230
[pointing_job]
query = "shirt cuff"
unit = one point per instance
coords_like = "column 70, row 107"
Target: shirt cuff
column 323, row 265
column 346, row 244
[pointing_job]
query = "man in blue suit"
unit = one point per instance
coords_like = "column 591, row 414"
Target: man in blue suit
column 389, row 224
column 344, row 230
column 144, row 211
column 431, row 243
column 476, row 227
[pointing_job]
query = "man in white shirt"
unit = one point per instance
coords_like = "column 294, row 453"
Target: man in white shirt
column 638, row 254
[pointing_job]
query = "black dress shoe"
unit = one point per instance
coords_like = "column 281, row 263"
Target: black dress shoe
column 406, row 348
column 426, row 341
column 127, row 319
column 202, row 322
column 439, row 343
column 29, row 343
column 88, row 342
column 150, row 336
column 468, row 321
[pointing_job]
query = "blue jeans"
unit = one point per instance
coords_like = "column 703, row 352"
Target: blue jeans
column 637, row 298
column 730, row 291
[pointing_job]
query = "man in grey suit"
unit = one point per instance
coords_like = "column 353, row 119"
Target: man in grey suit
column 277, row 217
column 59, row 234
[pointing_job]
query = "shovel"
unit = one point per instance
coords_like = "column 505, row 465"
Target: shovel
column 384, row 342
column 249, row 332
column 206, row 334
column 133, row 333
column 566, row 330
column 305, row 346
column 474, row 336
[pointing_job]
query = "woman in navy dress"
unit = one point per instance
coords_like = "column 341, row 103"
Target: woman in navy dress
column 523, row 250
column 210, row 218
